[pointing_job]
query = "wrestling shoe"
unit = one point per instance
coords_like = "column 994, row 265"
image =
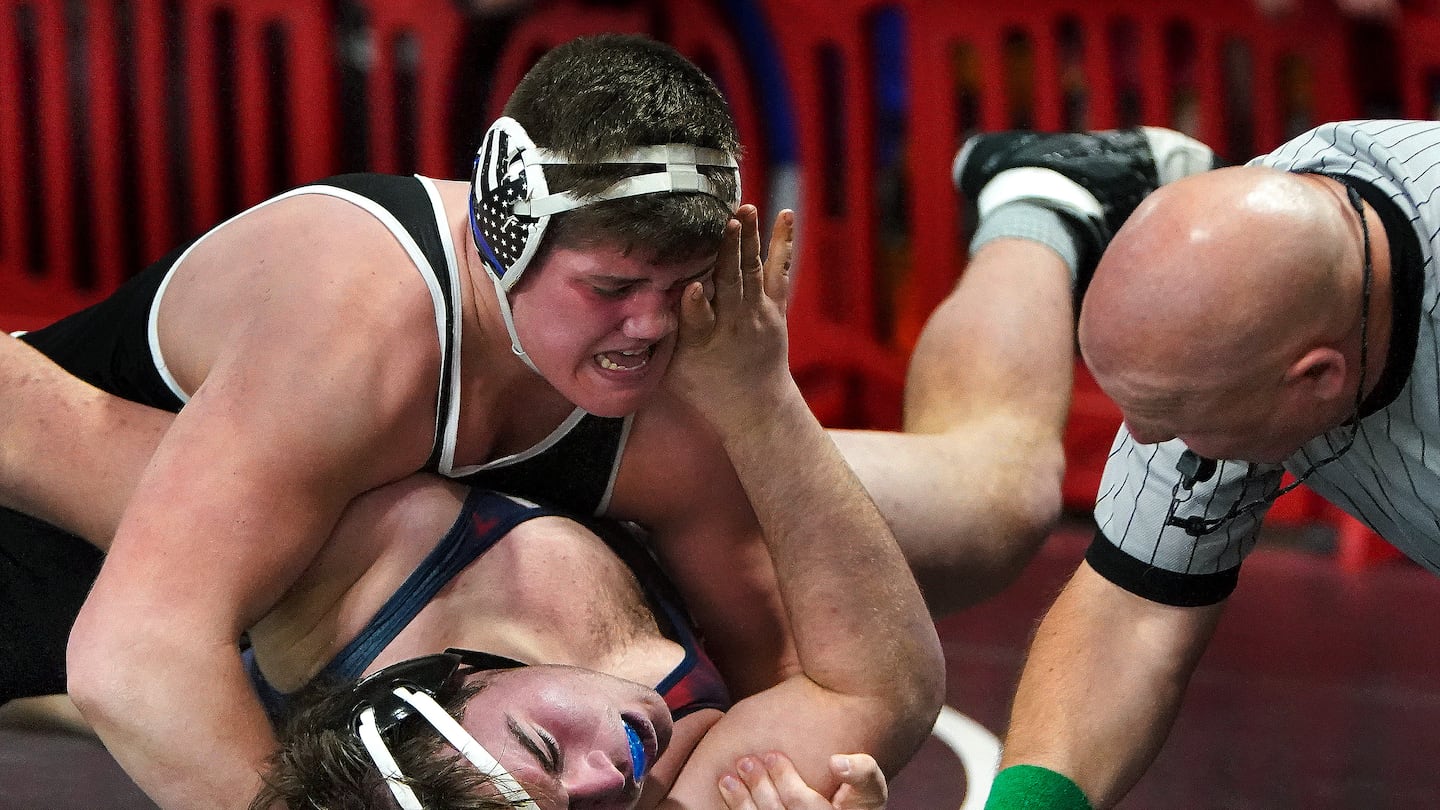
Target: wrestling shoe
column 1094, row 179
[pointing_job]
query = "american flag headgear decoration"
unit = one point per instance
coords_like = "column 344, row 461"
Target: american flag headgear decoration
column 510, row 203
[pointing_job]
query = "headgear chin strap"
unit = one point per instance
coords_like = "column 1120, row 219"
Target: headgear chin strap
column 511, row 204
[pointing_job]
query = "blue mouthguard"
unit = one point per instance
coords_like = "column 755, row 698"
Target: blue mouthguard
column 637, row 753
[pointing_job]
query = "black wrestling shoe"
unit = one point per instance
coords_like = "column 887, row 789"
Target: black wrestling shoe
column 1095, row 179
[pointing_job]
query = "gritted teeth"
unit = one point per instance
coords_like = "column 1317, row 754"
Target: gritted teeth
column 631, row 360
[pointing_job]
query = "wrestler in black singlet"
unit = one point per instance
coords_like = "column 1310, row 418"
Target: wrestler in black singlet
column 45, row 573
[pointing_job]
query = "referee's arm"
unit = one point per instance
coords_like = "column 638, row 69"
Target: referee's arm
column 1102, row 684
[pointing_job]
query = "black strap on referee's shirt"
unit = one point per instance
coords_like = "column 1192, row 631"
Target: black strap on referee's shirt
column 1407, row 286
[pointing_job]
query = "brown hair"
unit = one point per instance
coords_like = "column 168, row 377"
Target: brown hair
column 593, row 97
column 322, row 765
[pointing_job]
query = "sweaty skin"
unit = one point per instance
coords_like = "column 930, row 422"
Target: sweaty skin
column 1236, row 326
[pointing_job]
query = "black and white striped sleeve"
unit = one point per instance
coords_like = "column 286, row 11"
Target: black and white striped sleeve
column 1139, row 548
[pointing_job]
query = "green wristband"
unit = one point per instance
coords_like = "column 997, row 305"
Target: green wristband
column 1031, row 787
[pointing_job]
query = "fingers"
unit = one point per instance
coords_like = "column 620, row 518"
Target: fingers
column 745, row 275
column 751, row 789
column 697, row 317
column 751, row 267
column 734, row 793
column 778, row 259
column 727, row 269
column 769, row 783
column 791, row 788
column 863, row 785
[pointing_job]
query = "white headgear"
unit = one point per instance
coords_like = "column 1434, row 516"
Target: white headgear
column 454, row 733
column 404, row 689
column 510, row 202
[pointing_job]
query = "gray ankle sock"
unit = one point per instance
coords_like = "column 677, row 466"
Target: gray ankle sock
column 1026, row 220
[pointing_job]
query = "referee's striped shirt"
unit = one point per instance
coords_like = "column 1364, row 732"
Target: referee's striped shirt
column 1390, row 477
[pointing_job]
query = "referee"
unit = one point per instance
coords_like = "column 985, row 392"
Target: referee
column 1248, row 321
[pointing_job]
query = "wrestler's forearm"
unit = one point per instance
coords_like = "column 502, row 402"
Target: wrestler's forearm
column 202, row 554
column 1102, row 685
column 859, row 622
column 859, row 625
column 190, row 733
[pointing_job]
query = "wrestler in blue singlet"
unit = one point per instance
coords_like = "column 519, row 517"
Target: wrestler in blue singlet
column 486, row 518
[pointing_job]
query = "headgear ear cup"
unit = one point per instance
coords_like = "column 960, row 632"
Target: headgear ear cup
column 506, row 240
column 503, row 177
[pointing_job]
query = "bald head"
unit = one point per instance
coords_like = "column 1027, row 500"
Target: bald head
column 1219, row 282
column 1219, row 270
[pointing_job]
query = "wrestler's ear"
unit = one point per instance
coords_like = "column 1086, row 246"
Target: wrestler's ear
column 1319, row 374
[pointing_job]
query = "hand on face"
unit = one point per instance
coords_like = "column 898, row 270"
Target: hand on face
column 770, row 782
column 731, row 354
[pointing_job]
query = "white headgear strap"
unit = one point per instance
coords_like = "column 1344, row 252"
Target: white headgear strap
column 454, row 733
column 511, row 203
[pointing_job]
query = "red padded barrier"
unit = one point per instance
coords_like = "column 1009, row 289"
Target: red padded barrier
column 38, row 161
column 307, row 113
column 90, row 134
column 433, row 29
column 202, row 107
column 14, row 208
column 55, row 153
column 106, row 88
column 157, row 231
column 550, row 25
column 851, row 376
column 1420, row 63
